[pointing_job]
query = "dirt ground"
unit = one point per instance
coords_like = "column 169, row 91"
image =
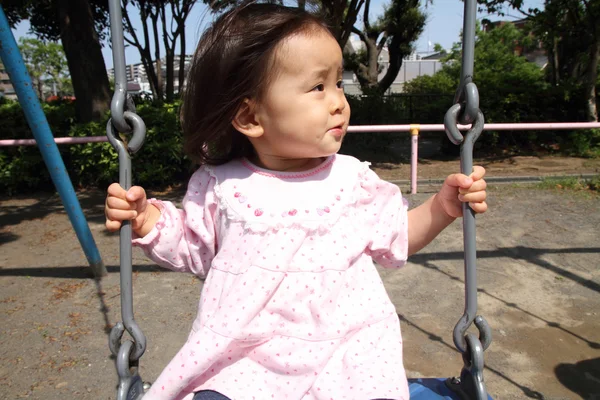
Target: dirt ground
column 538, row 273
column 496, row 167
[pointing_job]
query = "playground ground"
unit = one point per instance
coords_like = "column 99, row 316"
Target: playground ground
column 539, row 280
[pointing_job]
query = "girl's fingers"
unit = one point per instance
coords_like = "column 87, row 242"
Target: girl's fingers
column 136, row 193
column 119, row 203
column 479, row 207
column 477, row 186
column 478, row 173
column 113, row 226
column 458, row 181
column 474, row 197
column 120, row 215
column 471, row 189
column 116, row 190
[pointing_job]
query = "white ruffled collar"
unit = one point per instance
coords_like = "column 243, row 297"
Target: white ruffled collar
column 313, row 200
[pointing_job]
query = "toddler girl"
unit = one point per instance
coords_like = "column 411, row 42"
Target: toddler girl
column 283, row 228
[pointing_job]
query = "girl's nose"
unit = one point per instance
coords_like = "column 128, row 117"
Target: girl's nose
column 338, row 102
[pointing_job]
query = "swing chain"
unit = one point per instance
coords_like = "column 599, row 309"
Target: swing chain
column 470, row 385
column 466, row 111
column 124, row 120
column 466, row 100
column 130, row 385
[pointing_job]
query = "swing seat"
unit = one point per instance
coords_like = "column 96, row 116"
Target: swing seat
column 432, row 389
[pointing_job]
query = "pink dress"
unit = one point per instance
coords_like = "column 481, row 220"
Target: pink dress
column 292, row 306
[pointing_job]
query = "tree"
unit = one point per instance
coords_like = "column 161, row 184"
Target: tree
column 504, row 78
column 397, row 29
column 401, row 24
column 33, row 54
column 511, row 89
column 79, row 25
column 180, row 12
column 340, row 14
column 438, row 48
column 147, row 14
column 570, row 33
column 161, row 19
column 46, row 63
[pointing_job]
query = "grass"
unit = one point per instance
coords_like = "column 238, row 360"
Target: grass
column 587, row 188
column 572, row 183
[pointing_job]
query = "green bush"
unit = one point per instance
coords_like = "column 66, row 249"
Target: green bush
column 511, row 89
column 159, row 163
column 21, row 167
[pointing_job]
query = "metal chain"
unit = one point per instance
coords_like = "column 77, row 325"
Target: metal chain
column 466, row 111
column 125, row 120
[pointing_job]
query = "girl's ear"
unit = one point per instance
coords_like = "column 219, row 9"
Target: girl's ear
column 245, row 120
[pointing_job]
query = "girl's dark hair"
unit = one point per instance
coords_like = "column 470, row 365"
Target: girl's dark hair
column 233, row 62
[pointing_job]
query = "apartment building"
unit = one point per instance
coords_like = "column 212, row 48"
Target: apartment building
column 6, row 88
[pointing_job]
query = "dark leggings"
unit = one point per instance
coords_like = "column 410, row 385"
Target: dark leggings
column 209, row 395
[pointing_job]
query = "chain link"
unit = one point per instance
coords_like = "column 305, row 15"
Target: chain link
column 124, row 120
column 130, row 385
column 466, row 111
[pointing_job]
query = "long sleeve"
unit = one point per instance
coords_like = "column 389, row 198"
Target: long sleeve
column 386, row 219
column 185, row 239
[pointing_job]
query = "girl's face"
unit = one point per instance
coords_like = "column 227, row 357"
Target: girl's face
column 303, row 113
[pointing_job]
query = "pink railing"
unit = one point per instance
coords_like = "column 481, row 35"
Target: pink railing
column 414, row 129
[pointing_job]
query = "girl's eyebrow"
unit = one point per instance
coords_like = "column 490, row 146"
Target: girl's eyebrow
column 322, row 72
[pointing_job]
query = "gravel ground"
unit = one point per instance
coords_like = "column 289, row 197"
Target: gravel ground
column 538, row 272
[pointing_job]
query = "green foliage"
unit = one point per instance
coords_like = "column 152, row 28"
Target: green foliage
column 371, row 110
column 47, row 65
column 22, row 167
column 159, row 163
column 511, row 89
column 584, row 142
column 568, row 31
column 43, row 16
column 393, row 109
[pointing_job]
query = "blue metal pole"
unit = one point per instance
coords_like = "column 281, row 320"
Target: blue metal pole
column 19, row 77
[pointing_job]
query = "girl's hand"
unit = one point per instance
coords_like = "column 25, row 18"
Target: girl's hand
column 130, row 205
column 459, row 188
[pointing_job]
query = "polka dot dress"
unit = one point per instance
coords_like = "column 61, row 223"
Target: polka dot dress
column 292, row 305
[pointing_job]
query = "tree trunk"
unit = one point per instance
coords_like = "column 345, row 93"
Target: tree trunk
column 341, row 17
column 169, row 44
column 170, row 87
column 553, row 57
column 373, row 64
column 591, row 76
column 182, row 63
column 40, row 88
column 158, row 65
column 150, row 71
column 144, row 50
column 84, row 57
column 349, row 19
column 368, row 74
column 396, row 58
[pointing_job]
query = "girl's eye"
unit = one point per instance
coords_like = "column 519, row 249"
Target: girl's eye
column 340, row 84
column 319, row 88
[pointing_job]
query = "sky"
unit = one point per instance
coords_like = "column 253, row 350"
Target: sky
column 444, row 23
